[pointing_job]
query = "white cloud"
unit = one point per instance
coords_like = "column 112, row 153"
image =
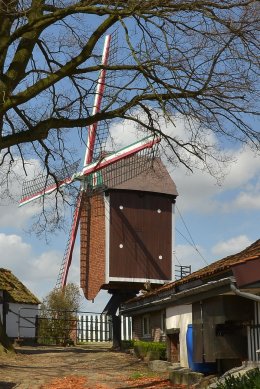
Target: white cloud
column 186, row 255
column 14, row 252
column 12, row 216
column 239, row 189
column 123, row 134
column 247, row 201
column 231, row 246
column 199, row 191
column 10, row 193
column 38, row 271
column 245, row 168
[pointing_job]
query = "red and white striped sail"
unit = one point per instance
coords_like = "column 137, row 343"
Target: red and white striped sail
column 110, row 159
column 67, row 258
column 92, row 132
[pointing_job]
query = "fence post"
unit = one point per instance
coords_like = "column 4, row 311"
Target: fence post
column 19, row 323
column 36, row 328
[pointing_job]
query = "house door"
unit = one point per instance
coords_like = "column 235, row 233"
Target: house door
column 173, row 347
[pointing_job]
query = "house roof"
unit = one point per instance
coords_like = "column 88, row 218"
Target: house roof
column 213, row 270
column 250, row 253
column 16, row 290
column 140, row 173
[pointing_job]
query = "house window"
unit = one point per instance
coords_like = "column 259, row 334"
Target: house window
column 146, row 325
column 163, row 321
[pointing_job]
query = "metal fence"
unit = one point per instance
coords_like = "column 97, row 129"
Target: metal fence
column 253, row 335
column 61, row 326
column 253, row 341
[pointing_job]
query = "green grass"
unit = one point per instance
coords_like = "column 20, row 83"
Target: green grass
column 138, row 375
column 250, row 380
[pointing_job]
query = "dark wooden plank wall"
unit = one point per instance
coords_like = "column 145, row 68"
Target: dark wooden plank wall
column 218, row 328
column 144, row 233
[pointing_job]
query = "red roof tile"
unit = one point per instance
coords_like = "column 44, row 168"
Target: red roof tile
column 214, row 269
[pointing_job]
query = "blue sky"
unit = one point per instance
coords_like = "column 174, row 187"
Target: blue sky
column 221, row 219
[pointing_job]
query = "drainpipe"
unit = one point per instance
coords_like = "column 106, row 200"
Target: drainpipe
column 202, row 331
column 246, row 295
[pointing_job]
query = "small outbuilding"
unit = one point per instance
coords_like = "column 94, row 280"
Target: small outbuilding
column 212, row 316
column 18, row 307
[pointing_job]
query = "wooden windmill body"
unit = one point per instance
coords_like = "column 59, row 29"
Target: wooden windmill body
column 127, row 234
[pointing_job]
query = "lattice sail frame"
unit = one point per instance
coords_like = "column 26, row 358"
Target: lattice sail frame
column 58, row 178
column 93, row 168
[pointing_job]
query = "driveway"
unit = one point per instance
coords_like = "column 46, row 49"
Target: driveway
column 92, row 366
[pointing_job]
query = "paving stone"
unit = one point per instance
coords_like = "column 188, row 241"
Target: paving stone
column 159, row 366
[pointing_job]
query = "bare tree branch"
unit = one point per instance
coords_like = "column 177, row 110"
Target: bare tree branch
column 198, row 59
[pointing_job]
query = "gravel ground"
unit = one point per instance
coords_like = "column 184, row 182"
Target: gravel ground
column 93, row 366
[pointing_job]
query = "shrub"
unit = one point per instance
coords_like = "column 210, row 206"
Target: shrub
column 151, row 350
column 250, row 380
column 127, row 344
column 57, row 319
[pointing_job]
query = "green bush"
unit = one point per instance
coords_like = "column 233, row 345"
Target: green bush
column 127, row 344
column 250, row 380
column 151, row 350
column 57, row 319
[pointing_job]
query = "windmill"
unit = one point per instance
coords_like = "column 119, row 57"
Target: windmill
column 99, row 170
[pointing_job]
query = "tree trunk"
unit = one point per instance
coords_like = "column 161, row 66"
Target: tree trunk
column 5, row 343
column 116, row 322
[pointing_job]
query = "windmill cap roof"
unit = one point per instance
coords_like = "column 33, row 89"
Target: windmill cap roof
column 156, row 179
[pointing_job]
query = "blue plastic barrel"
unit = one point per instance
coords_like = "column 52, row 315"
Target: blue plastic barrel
column 205, row 367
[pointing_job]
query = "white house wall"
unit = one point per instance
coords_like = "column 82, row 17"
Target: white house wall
column 26, row 329
column 180, row 317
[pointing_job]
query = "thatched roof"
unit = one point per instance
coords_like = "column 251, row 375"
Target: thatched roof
column 15, row 289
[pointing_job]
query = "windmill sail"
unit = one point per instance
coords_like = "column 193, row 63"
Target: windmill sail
column 123, row 165
column 66, row 261
column 108, row 95
column 46, row 184
column 97, row 102
column 90, row 150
